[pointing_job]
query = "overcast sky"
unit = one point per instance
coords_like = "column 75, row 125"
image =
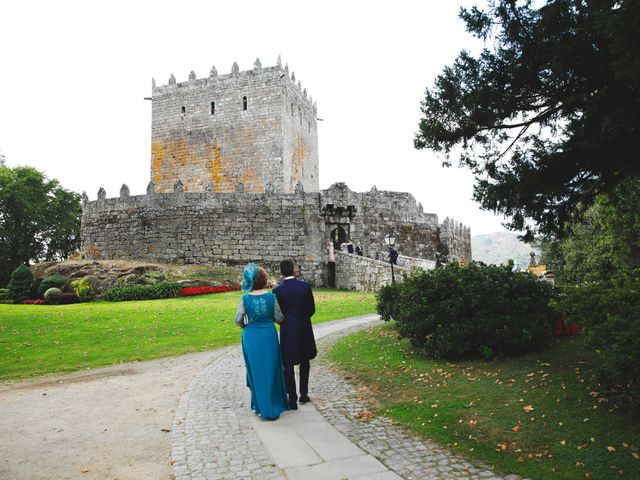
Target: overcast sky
column 73, row 76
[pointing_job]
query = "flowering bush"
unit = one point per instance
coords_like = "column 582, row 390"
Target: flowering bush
column 37, row 301
column 190, row 291
column 83, row 289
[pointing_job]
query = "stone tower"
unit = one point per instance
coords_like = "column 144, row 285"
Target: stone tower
column 251, row 131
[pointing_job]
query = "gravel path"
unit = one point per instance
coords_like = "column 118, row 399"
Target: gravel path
column 213, row 437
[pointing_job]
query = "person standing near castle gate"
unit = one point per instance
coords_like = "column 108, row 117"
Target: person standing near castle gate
column 331, row 264
column 297, row 342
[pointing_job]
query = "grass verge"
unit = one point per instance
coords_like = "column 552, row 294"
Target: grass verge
column 38, row 339
column 540, row 415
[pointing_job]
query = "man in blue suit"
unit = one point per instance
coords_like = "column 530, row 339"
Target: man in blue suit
column 297, row 342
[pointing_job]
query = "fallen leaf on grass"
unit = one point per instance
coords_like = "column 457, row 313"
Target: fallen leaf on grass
column 520, row 460
column 563, row 442
column 517, row 428
column 611, row 449
column 365, row 415
column 635, row 455
column 528, row 408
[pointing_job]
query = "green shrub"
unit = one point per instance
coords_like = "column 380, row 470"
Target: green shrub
column 19, row 287
column 52, row 294
column 143, row 292
column 35, row 287
column 83, row 289
column 485, row 310
column 609, row 314
column 4, row 296
column 54, row 281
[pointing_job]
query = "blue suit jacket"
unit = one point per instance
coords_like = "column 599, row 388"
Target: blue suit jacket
column 296, row 333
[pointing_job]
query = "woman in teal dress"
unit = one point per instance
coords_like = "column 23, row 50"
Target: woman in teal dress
column 257, row 310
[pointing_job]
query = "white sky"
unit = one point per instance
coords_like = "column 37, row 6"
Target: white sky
column 73, row 75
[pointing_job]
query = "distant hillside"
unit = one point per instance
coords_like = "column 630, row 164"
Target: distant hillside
column 499, row 247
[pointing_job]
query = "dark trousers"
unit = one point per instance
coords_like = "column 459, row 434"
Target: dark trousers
column 290, row 380
column 332, row 274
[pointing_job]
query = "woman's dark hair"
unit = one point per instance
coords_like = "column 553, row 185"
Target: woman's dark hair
column 261, row 279
column 286, row 267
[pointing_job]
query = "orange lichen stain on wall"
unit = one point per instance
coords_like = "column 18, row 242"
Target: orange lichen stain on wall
column 297, row 165
column 178, row 151
column 215, row 164
column 157, row 157
column 251, row 181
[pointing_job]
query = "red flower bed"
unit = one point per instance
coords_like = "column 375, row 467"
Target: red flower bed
column 37, row 301
column 560, row 329
column 190, row 291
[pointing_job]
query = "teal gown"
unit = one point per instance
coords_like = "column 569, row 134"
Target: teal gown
column 262, row 358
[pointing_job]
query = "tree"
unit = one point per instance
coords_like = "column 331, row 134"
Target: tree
column 20, row 284
column 39, row 220
column 603, row 243
column 547, row 115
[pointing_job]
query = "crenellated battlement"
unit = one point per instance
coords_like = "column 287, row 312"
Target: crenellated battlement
column 214, row 80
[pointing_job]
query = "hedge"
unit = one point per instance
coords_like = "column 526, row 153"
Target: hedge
column 143, row 292
column 479, row 310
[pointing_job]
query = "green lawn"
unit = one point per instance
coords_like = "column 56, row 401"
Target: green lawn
column 541, row 415
column 37, row 339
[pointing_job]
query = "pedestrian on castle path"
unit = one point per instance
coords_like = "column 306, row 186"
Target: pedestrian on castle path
column 393, row 255
column 331, row 264
column 256, row 312
column 297, row 342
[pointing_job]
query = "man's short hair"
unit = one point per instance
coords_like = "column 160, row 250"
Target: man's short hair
column 286, row 267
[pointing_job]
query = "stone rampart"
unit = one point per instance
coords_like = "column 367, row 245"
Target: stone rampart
column 234, row 228
column 207, row 228
column 363, row 274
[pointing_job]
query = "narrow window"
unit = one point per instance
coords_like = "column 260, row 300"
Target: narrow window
column 183, row 113
column 213, row 108
column 184, row 110
column 244, row 103
column 309, row 127
column 292, row 109
column 300, row 112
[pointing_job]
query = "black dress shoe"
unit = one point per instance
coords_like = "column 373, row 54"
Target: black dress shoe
column 304, row 399
column 293, row 406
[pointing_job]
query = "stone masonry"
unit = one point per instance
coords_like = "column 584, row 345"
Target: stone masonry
column 234, row 178
column 257, row 128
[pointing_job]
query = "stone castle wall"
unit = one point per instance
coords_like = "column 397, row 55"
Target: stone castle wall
column 206, row 228
column 363, row 274
column 374, row 214
column 234, row 228
column 457, row 238
column 256, row 128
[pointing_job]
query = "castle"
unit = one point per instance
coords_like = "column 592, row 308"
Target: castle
column 234, row 178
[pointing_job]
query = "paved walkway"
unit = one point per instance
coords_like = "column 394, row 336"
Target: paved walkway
column 216, row 436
